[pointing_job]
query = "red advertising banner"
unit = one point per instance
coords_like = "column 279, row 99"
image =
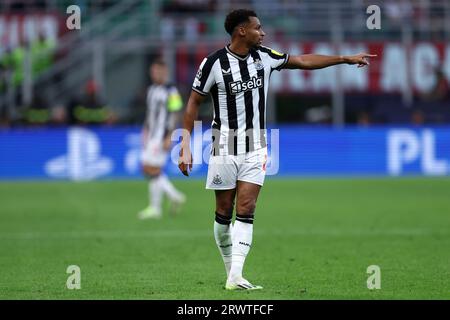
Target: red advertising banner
column 397, row 67
column 22, row 28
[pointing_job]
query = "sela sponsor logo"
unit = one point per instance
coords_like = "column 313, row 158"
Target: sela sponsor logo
column 239, row 86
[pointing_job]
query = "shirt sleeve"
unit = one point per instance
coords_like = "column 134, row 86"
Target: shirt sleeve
column 204, row 79
column 277, row 59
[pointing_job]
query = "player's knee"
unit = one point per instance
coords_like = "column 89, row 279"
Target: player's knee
column 225, row 207
column 247, row 206
column 225, row 210
column 151, row 172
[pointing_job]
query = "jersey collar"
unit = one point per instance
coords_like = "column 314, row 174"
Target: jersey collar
column 237, row 56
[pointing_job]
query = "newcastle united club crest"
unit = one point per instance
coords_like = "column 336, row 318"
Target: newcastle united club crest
column 258, row 64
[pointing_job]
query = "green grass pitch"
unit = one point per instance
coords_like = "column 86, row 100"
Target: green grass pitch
column 313, row 239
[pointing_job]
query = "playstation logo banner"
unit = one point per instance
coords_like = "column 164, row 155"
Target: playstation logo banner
column 82, row 154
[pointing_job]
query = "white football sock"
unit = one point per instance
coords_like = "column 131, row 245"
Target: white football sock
column 169, row 188
column 242, row 242
column 155, row 193
column 222, row 235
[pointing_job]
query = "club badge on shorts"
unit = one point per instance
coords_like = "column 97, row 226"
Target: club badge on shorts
column 217, row 180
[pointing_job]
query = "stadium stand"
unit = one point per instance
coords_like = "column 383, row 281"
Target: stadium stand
column 119, row 38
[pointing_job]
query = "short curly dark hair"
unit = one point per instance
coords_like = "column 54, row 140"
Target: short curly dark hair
column 159, row 61
column 236, row 17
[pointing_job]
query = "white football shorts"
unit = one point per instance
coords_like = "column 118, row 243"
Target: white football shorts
column 154, row 154
column 225, row 171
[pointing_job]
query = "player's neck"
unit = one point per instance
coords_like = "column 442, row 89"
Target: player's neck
column 239, row 48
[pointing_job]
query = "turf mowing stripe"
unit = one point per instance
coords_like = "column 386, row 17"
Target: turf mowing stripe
column 207, row 233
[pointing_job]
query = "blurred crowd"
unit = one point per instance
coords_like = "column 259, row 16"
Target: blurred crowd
column 24, row 62
column 23, row 6
column 87, row 108
column 32, row 59
column 185, row 20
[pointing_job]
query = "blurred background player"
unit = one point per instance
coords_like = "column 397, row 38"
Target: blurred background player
column 163, row 104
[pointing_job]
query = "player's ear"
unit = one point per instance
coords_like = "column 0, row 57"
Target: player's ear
column 241, row 30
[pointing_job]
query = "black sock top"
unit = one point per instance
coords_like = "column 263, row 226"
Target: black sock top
column 245, row 218
column 222, row 219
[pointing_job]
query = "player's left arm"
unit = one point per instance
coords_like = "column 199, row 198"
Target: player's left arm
column 317, row 61
column 144, row 133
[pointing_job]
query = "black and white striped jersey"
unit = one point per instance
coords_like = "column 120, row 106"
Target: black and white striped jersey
column 162, row 102
column 238, row 86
